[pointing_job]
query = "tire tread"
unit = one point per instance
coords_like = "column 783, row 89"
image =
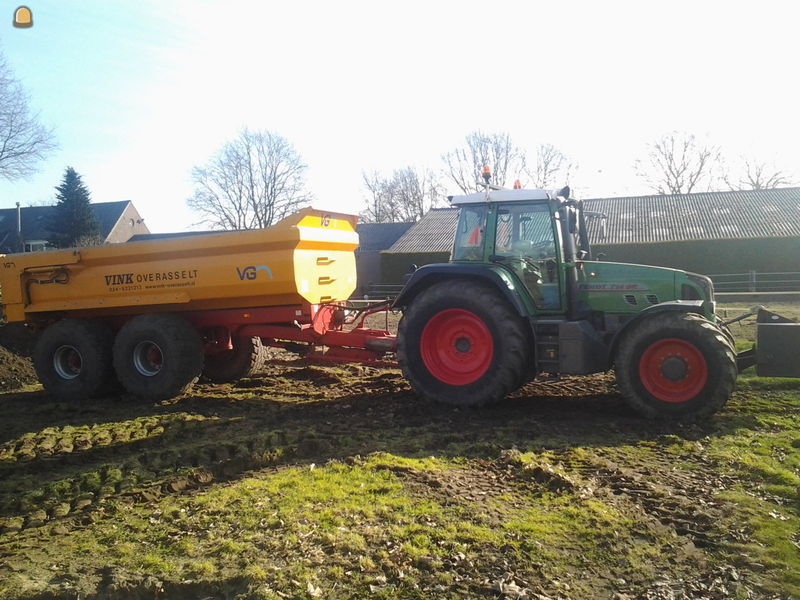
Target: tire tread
column 508, row 371
column 721, row 361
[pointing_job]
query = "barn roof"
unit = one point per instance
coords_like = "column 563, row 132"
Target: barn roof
column 649, row 219
column 373, row 237
column 703, row 216
column 434, row 232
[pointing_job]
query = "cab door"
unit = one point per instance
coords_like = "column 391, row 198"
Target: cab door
column 525, row 242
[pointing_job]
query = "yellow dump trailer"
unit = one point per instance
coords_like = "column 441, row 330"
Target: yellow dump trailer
column 306, row 257
column 152, row 316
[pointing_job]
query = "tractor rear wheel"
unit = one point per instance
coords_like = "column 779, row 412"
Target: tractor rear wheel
column 72, row 359
column 158, row 356
column 676, row 366
column 246, row 358
column 461, row 344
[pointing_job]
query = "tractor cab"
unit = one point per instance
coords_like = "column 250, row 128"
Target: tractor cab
column 531, row 233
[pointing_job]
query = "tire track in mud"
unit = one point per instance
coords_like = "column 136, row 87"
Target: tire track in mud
column 61, row 472
column 143, row 476
column 59, row 475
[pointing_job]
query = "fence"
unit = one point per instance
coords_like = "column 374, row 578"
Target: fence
column 753, row 281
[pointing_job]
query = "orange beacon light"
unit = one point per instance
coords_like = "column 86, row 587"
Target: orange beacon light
column 23, row 17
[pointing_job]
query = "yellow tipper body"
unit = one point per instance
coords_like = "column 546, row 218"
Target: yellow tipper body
column 306, row 257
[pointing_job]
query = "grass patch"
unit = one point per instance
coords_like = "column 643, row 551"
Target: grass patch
column 358, row 524
column 763, row 454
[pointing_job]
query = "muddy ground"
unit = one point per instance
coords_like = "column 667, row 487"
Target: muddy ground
column 313, row 481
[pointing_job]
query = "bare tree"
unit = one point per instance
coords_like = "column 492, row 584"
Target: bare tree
column 552, row 168
column 417, row 191
column 24, row 141
column 404, row 196
column 758, row 175
column 463, row 165
column 677, row 163
column 251, row 182
column 380, row 203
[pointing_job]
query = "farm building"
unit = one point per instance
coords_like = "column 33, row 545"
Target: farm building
column 24, row 229
column 430, row 240
column 733, row 232
column 373, row 238
column 714, row 232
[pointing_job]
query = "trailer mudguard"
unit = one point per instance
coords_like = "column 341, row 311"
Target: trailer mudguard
column 427, row 275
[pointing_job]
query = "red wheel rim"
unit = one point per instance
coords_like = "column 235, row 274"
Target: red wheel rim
column 673, row 370
column 456, row 346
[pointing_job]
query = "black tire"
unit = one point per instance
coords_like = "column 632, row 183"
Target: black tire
column 476, row 372
column 676, row 366
column 245, row 359
column 72, row 359
column 158, row 356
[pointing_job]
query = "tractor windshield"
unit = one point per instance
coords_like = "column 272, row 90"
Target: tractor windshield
column 471, row 233
column 524, row 230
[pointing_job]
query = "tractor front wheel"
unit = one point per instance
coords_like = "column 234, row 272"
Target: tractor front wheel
column 461, row 344
column 676, row 366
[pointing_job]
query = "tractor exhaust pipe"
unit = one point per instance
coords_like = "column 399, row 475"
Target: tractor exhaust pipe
column 571, row 271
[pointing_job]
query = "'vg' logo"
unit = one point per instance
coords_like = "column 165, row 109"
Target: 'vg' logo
column 251, row 272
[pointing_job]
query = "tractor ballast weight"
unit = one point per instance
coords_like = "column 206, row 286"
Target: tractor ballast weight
column 777, row 345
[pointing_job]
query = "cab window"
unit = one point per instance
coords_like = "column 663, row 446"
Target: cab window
column 470, row 233
column 525, row 230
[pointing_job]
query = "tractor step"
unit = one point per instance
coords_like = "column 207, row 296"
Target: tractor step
column 547, row 346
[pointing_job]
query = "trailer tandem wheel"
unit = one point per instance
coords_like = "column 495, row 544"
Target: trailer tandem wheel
column 246, row 358
column 158, row 356
column 461, row 344
column 72, row 359
column 676, row 366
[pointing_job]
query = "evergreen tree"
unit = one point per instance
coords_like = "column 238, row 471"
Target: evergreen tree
column 73, row 222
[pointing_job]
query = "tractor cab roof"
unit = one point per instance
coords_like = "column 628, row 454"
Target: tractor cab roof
column 503, row 196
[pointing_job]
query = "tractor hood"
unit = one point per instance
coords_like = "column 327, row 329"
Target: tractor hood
column 628, row 288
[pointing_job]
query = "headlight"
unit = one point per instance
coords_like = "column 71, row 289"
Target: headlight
column 703, row 282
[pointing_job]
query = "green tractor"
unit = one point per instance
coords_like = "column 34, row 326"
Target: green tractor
column 523, row 297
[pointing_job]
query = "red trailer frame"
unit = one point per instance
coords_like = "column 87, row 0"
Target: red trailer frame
column 330, row 332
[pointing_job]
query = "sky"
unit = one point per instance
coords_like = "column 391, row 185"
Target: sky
column 140, row 92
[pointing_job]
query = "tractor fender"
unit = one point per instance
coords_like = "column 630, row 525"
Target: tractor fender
column 695, row 306
column 427, row 275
